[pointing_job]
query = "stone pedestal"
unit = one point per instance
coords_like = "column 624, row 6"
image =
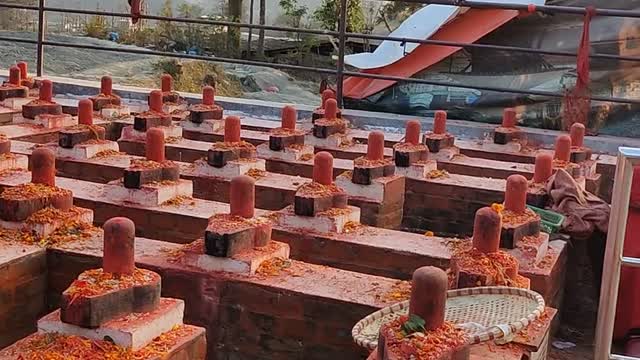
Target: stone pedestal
column 517, row 226
column 152, row 194
column 208, row 126
column 115, row 112
column 332, row 220
column 49, row 121
column 129, row 133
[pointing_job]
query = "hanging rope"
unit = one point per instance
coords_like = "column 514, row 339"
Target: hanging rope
column 577, row 103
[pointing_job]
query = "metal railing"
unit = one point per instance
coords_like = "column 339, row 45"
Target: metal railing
column 340, row 72
column 613, row 257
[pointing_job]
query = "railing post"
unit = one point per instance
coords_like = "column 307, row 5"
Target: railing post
column 41, row 31
column 250, row 30
column 342, row 29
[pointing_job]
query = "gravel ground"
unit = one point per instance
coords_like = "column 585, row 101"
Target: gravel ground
column 260, row 83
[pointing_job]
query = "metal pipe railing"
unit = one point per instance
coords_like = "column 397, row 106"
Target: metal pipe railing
column 342, row 29
column 342, row 35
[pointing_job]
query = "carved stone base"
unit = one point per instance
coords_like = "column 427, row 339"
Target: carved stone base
column 324, row 222
column 149, row 194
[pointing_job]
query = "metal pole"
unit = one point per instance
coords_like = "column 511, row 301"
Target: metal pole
column 250, row 30
column 342, row 29
column 40, row 46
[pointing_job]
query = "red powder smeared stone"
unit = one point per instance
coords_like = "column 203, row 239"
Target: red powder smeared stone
column 232, row 129
column 22, row 65
column 155, row 101
column 563, row 148
column 429, row 296
column 208, row 95
column 14, row 75
column 242, row 196
column 289, row 117
column 155, row 145
column 323, row 168
column 106, row 85
column 412, row 132
column 486, row 230
column 119, row 235
column 543, row 167
column 46, row 90
column 375, row 146
column 440, row 122
column 331, row 109
column 509, row 118
column 515, row 195
column 326, row 95
column 577, row 135
column 43, row 167
column 167, row 83
column 85, row 112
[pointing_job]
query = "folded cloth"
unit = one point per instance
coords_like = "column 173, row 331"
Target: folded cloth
column 584, row 212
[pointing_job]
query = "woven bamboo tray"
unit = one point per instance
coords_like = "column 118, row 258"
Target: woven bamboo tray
column 485, row 313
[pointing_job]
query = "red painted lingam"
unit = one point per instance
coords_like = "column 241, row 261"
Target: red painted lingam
column 373, row 165
column 439, row 138
column 411, row 151
column 87, row 304
column 330, row 123
column 321, row 194
column 44, row 105
column 13, row 88
column 287, row 136
column 229, row 235
column 562, row 152
column 25, row 80
column 155, row 116
column 168, row 94
column 233, row 148
column 543, row 168
column 43, row 167
column 155, row 168
column 119, row 246
column 518, row 221
column 207, row 110
column 319, row 113
column 507, row 131
column 579, row 152
column 85, row 131
column 474, row 262
column 106, row 98
column 439, row 339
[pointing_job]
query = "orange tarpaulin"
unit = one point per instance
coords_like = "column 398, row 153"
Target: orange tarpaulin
column 466, row 28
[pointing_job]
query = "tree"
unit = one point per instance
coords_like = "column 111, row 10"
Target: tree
column 192, row 34
column 96, row 27
column 396, row 10
column 166, row 30
column 328, row 15
column 294, row 12
column 233, row 33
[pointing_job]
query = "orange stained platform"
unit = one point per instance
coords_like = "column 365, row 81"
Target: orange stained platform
column 466, row 28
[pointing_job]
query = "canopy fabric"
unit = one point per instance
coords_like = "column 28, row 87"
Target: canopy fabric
column 466, row 28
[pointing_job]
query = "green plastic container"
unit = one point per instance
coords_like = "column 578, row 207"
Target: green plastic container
column 551, row 220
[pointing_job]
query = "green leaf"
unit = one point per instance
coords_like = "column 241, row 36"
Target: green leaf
column 414, row 324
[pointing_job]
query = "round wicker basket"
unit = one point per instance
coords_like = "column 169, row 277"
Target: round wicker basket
column 485, row 313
